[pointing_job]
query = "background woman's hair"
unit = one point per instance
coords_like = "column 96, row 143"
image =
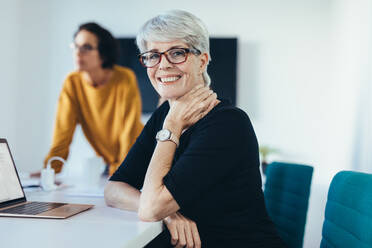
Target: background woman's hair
column 107, row 45
column 176, row 25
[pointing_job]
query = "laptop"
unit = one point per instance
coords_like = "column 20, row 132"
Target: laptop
column 13, row 201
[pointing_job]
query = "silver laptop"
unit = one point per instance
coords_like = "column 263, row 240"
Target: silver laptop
column 13, row 201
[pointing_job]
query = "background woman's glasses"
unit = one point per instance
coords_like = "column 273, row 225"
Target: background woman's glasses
column 86, row 48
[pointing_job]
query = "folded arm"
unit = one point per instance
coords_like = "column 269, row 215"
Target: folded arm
column 156, row 202
column 122, row 195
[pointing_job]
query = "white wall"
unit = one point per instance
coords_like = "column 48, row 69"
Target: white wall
column 293, row 79
column 353, row 75
column 33, row 103
column 9, row 26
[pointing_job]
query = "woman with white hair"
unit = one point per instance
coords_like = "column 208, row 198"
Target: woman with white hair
column 195, row 164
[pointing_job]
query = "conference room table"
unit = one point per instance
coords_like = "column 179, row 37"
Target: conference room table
column 101, row 226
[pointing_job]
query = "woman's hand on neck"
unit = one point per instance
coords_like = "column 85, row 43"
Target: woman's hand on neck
column 189, row 108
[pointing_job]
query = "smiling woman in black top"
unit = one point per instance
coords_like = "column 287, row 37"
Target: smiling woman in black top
column 195, row 164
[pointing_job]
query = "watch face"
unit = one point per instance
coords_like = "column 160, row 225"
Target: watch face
column 164, row 134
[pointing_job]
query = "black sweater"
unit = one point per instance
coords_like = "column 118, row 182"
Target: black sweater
column 214, row 178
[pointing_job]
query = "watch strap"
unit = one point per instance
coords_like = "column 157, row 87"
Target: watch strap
column 174, row 139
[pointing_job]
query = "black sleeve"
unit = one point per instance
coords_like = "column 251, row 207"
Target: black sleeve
column 217, row 146
column 134, row 167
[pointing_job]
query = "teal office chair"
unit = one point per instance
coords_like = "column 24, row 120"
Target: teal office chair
column 348, row 213
column 287, row 191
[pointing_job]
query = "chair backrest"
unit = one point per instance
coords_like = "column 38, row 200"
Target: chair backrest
column 287, row 191
column 348, row 213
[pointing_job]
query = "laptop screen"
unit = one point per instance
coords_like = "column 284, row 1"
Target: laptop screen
column 10, row 188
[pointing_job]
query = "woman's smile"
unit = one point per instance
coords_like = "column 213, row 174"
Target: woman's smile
column 171, row 79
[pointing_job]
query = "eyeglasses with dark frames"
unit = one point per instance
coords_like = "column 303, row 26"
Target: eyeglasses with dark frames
column 173, row 55
column 86, row 48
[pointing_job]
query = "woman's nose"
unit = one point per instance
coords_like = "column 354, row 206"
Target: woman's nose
column 77, row 53
column 164, row 63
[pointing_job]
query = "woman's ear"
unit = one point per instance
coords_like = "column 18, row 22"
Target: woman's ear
column 204, row 58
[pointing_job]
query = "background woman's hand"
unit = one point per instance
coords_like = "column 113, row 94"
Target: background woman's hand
column 191, row 107
column 184, row 232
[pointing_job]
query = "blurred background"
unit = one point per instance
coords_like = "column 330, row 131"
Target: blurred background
column 303, row 76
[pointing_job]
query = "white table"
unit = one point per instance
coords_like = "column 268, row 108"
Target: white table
column 100, row 226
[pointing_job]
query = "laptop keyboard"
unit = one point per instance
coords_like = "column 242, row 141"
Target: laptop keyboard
column 32, row 208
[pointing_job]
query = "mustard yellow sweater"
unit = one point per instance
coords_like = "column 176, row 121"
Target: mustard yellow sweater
column 109, row 116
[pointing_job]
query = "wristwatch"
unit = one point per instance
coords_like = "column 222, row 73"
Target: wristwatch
column 165, row 135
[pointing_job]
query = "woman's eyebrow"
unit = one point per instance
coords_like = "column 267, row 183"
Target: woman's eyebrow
column 177, row 46
column 157, row 50
column 84, row 44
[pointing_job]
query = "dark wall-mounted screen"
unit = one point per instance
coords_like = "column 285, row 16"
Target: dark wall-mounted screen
column 222, row 70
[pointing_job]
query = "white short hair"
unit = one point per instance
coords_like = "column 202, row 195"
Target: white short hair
column 176, row 25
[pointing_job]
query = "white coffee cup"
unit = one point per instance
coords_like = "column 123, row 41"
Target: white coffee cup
column 48, row 175
column 47, row 179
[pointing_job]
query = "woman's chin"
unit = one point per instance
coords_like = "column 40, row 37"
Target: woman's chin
column 168, row 95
